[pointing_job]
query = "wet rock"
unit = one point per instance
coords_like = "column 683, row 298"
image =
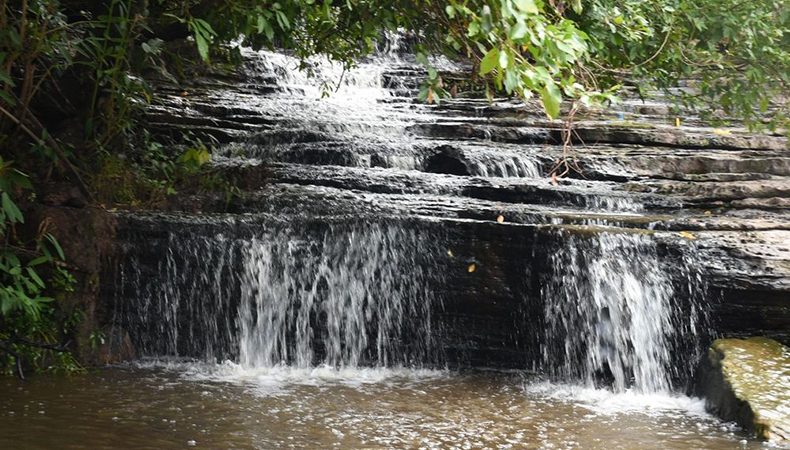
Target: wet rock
column 449, row 160
column 115, row 346
column 460, row 165
column 748, row 381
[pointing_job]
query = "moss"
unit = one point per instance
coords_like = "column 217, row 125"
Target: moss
column 117, row 181
column 632, row 124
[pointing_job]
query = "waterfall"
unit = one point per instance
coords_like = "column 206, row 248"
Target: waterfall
column 504, row 164
column 341, row 296
column 614, row 311
column 360, row 296
column 443, row 282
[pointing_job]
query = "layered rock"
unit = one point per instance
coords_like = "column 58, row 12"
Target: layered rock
column 477, row 173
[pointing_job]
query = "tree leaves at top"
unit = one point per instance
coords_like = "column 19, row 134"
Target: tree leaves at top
column 735, row 52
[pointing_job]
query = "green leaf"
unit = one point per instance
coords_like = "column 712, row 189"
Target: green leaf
column 551, row 97
column 528, row 6
column 503, row 59
column 55, row 245
column 512, row 81
column 204, row 27
column 7, row 98
column 38, row 261
column 269, row 31
column 203, row 33
column 489, row 61
column 10, row 209
column 518, row 31
column 282, row 19
column 474, row 28
column 37, row 279
column 7, row 302
column 261, row 25
column 202, row 45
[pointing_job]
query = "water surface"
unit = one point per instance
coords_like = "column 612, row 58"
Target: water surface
column 225, row 406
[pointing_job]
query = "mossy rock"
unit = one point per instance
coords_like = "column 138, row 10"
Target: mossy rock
column 748, row 381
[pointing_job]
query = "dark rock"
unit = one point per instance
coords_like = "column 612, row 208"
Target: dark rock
column 449, row 160
column 61, row 194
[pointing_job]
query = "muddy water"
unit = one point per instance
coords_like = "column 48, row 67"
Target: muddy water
column 184, row 406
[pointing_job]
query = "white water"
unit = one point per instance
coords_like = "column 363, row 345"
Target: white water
column 503, row 164
column 354, row 295
column 342, row 297
column 612, row 312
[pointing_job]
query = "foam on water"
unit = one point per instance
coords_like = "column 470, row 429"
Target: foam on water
column 278, row 379
column 605, row 401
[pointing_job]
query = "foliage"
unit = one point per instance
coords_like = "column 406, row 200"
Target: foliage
column 149, row 181
column 28, row 319
column 734, row 55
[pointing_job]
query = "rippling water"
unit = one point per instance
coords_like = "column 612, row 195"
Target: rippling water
column 225, row 406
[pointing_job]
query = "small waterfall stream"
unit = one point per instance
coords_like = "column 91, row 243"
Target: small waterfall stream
column 340, row 296
column 359, row 297
column 613, row 312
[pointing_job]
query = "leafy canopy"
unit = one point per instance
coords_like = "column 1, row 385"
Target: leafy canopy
column 733, row 55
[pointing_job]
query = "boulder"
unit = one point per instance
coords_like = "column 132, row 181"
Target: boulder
column 748, row 381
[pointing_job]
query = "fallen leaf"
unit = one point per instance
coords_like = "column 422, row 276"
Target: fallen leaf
column 721, row 132
column 472, row 267
column 687, row 235
column 450, row 253
column 500, row 219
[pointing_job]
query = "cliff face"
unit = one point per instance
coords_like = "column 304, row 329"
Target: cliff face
column 708, row 208
column 87, row 236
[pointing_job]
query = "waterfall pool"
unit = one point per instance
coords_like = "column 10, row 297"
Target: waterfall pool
column 224, row 406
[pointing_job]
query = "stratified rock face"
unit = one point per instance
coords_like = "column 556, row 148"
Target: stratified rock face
column 655, row 231
column 748, row 381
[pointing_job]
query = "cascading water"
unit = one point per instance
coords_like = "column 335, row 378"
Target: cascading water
column 359, row 296
column 373, row 240
column 342, row 296
column 373, row 294
column 614, row 311
column 504, row 164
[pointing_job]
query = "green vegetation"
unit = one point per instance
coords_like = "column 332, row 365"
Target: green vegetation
column 72, row 89
column 28, row 324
